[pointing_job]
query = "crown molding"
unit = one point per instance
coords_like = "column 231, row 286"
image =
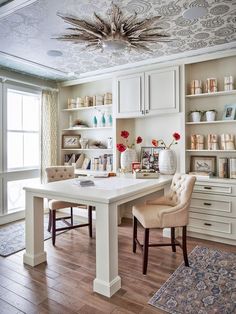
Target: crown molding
column 14, row 5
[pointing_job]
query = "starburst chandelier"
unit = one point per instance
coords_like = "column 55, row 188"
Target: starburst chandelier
column 117, row 32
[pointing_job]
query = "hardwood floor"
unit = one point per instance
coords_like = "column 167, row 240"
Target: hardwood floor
column 64, row 284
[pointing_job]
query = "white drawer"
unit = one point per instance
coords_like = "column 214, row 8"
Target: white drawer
column 212, row 225
column 213, row 204
column 215, row 188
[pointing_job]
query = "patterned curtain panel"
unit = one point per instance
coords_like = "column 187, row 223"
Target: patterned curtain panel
column 49, row 131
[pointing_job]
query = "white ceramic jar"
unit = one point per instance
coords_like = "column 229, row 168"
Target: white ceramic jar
column 126, row 159
column 167, row 161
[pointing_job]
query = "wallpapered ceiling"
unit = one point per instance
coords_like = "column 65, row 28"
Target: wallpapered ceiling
column 28, row 33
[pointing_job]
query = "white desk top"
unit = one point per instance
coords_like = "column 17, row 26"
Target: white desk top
column 106, row 190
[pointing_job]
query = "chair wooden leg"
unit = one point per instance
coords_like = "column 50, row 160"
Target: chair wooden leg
column 145, row 250
column 173, row 239
column 71, row 216
column 90, row 220
column 184, row 244
column 53, row 227
column 50, row 220
column 134, row 234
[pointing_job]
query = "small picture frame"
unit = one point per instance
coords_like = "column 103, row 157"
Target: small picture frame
column 150, row 158
column 229, row 112
column 203, row 164
column 70, row 141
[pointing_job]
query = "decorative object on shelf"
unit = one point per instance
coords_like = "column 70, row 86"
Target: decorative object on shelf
column 199, row 141
column 193, row 141
column 108, row 98
column 97, row 145
column 80, row 124
column 227, row 141
column 136, row 165
column 150, row 158
column 223, row 167
column 118, row 32
column 228, row 83
column 109, row 142
column 205, row 164
column 229, row 112
column 98, row 100
column 84, row 143
column 88, row 101
column 75, row 160
column 195, row 115
column 210, row 115
column 128, row 153
column 109, row 120
column 70, row 141
column 103, row 121
column 70, row 121
column 212, row 142
column 232, row 168
column 95, row 122
column 167, row 159
column 79, row 102
column 86, row 163
column 196, row 87
column 211, row 85
column 71, row 103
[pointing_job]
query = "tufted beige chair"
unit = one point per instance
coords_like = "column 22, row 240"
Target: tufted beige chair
column 58, row 173
column 168, row 211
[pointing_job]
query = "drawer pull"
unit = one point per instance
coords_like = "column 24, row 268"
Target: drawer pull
column 207, row 224
column 207, row 204
column 207, row 187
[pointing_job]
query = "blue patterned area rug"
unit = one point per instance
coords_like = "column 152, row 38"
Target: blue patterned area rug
column 207, row 286
column 12, row 236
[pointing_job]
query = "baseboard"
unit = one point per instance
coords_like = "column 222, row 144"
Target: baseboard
column 11, row 217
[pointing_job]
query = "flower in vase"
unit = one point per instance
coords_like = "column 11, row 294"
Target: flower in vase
column 122, row 146
column 160, row 143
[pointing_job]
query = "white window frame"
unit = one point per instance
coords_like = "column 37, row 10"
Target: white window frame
column 8, row 175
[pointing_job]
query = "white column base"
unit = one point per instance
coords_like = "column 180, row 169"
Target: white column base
column 107, row 289
column 34, row 260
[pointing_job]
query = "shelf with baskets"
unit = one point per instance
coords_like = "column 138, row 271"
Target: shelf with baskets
column 86, row 122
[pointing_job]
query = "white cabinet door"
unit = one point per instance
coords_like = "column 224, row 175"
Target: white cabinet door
column 162, row 91
column 130, row 95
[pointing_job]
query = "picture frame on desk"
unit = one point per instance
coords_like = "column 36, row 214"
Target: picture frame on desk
column 229, row 112
column 150, row 157
column 70, row 141
column 203, row 164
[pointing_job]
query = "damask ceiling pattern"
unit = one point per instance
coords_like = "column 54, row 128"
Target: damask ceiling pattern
column 27, row 34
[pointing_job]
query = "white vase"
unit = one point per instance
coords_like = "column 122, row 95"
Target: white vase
column 167, row 161
column 126, row 159
column 196, row 116
column 210, row 115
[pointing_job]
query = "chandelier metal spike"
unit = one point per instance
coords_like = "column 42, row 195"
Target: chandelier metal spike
column 118, row 32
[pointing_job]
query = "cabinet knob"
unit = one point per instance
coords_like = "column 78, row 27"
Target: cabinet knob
column 207, row 187
column 146, row 111
column 142, row 111
column 207, row 204
column 207, row 224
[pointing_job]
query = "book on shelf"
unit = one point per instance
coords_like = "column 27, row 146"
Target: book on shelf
column 74, row 160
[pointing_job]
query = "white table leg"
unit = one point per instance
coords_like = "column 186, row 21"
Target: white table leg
column 107, row 281
column 34, row 231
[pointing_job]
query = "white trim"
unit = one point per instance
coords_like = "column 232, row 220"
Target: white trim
column 5, row 219
column 13, row 6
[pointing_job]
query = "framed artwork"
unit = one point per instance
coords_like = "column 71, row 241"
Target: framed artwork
column 204, row 164
column 229, row 112
column 70, row 141
column 150, row 158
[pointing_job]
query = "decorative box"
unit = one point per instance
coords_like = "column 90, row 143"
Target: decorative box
column 196, row 87
column 211, row 85
column 145, row 174
column 98, row 100
column 227, row 142
column 228, row 83
column 108, row 99
column 232, row 168
column 223, row 167
column 212, row 142
column 88, row 101
column 199, row 142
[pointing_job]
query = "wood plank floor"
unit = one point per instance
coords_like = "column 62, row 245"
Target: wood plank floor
column 64, row 284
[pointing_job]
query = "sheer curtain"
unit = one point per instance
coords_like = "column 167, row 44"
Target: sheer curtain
column 49, row 120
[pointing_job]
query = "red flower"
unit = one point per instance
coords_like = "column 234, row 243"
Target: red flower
column 121, row 147
column 176, row 136
column 124, row 134
column 139, row 140
column 155, row 143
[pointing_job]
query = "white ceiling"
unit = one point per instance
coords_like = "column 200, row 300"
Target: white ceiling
column 26, row 34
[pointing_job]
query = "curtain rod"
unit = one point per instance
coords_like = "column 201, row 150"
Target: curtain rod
column 5, row 78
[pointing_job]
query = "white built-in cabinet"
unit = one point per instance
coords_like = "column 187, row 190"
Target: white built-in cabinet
column 152, row 92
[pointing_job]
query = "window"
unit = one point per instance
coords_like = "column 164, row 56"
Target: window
column 20, row 145
column 23, row 126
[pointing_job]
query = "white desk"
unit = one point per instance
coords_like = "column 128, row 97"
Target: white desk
column 106, row 196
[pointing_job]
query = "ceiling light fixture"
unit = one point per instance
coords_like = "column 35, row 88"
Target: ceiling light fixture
column 118, row 32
